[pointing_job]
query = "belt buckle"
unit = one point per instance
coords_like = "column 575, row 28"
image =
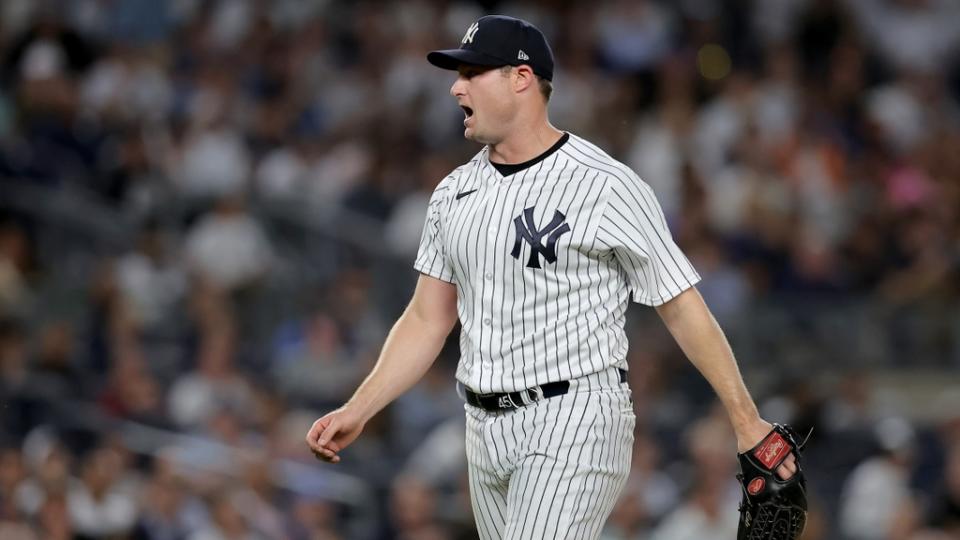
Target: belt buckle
column 531, row 395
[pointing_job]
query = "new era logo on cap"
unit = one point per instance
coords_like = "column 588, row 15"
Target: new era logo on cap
column 498, row 40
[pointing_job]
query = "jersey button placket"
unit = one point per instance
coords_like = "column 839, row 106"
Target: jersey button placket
column 486, row 297
column 486, row 284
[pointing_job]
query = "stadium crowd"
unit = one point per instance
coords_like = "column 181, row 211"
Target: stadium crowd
column 209, row 208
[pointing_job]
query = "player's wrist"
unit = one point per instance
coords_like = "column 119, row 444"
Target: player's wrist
column 750, row 432
column 359, row 410
column 744, row 423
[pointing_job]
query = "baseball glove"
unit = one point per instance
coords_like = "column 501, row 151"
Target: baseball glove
column 772, row 508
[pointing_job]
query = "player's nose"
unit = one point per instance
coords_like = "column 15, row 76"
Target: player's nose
column 459, row 86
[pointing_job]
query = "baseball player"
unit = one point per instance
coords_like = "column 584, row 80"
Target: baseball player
column 536, row 245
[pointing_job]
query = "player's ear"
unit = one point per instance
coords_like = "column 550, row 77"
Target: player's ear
column 523, row 78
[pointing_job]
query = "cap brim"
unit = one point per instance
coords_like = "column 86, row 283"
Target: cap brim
column 454, row 58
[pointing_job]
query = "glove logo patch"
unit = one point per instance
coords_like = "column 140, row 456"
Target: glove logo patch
column 756, row 485
column 772, row 451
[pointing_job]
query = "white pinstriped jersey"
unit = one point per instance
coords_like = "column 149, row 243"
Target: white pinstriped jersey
column 545, row 261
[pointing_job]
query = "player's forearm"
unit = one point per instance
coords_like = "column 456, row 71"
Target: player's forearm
column 698, row 334
column 409, row 350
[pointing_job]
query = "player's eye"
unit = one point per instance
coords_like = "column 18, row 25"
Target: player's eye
column 470, row 72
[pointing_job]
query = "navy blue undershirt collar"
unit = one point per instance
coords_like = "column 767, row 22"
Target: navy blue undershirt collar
column 507, row 169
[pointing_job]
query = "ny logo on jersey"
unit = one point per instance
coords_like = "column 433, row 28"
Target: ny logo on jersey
column 527, row 230
column 468, row 37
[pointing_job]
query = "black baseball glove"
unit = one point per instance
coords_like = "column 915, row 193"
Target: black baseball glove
column 772, row 508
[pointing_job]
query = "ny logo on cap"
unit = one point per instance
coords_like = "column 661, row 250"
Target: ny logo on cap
column 468, row 37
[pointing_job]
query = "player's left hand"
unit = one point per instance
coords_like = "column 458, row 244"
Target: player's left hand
column 750, row 436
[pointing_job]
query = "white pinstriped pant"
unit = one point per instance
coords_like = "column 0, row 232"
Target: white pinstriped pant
column 555, row 468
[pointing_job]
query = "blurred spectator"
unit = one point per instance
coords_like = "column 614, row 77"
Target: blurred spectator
column 15, row 294
column 349, row 299
column 132, row 392
column 661, row 142
column 12, row 475
column 226, row 520
column 55, row 373
column 945, row 507
column 215, row 383
column 658, row 492
column 97, row 504
column 431, row 402
column 48, row 49
column 405, row 224
column 283, row 172
column 724, row 287
column 371, row 196
column 163, row 507
column 879, row 487
column 925, row 38
column 649, row 495
column 633, row 35
column 210, row 159
column 334, row 169
column 228, row 248
column 318, row 358
column 53, row 519
column 908, row 106
column 129, row 179
column 17, row 530
column 314, row 520
column 49, row 464
column 413, row 506
column 260, row 500
column 42, row 64
column 720, row 123
column 627, row 519
column 128, row 84
column 442, row 454
column 850, row 408
column 314, row 367
column 709, row 508
column 14, row 378
column 151, row 279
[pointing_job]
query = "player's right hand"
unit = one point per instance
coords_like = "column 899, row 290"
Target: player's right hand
column 332, row 433
column 751, row 435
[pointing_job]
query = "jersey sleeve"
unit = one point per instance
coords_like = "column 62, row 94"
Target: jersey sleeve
column 432, row 258
column 633, row 226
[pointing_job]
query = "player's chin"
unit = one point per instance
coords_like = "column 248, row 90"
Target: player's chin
column 471, row 130
column 472, row 133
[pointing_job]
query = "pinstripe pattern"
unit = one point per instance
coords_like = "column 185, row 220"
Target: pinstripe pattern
column 553, row 469
column 526, row 326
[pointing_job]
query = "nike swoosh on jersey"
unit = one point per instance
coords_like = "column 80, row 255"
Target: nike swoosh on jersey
column 464, row 194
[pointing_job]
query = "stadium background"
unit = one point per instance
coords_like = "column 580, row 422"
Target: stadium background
column 208, row 211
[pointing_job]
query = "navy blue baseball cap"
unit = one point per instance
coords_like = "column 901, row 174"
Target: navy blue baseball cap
column 498, row 40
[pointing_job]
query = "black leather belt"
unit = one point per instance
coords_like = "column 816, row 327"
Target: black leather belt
column 502, row 401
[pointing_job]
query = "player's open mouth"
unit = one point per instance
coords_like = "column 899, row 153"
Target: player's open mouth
column 467, row 111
